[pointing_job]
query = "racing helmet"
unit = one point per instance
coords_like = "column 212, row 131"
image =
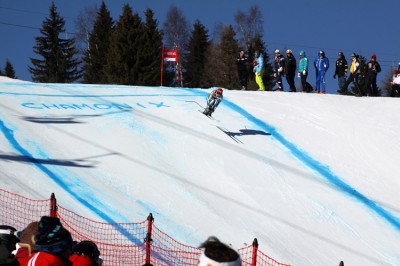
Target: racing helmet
column 219, row 91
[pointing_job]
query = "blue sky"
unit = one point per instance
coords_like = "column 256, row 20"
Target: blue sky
column 364, row 27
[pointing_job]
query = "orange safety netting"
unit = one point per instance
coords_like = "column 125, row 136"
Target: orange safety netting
column 119, row 243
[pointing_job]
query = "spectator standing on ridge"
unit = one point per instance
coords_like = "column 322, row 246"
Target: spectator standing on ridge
column 303, row 72
column 371, row 71
column 341, row 70
column 8, row 241
column 243, row 74
column 395, row 88
column 258, row 69
column 321, row 65
column 216, row 253
column 279, row 66
column 290, row 70
column 53, row 244
column 354, row 75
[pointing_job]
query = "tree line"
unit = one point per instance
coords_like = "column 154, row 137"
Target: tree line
column 127, row 51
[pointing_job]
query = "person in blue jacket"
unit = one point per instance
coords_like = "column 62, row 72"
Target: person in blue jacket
column 321, row 65
column 258, row 70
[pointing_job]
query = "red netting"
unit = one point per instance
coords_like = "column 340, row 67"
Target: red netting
column 119, row 243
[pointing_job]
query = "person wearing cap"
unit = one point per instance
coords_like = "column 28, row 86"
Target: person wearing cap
column 290, row 70
column 279, row 67
column 214, row 99
column 395, row 84
column 243, row 74
column 353, row 77
column 303, row 72
column 258, row 70
column 53, row 244
column 321, row 65
column 8, row 241
column 341, row 70
column 216, row 253
column 371, row 71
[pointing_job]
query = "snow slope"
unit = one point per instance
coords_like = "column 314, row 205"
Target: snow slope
column 313, row 177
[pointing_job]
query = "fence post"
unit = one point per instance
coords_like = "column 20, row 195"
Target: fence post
column 53, row 205
column 148, row 239
column 254, row 253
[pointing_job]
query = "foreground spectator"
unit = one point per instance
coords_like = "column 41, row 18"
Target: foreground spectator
column 8, row 241
column 27, row 245
column 53, row 244
column 86, row 253
column 216, row 253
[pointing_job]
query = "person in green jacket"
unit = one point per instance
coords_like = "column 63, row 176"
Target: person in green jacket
column 303, row 72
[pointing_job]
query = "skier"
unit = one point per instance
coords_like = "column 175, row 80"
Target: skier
column 213, row 100
column 321, row 65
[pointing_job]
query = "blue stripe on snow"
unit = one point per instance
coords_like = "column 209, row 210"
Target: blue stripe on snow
column 9, row 135
column 317, row 166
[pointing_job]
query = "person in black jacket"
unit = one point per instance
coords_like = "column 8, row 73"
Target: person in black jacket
column 341, row 70
column 279, row 67
column 290, row 70
column 241, row 63
column 371, row 71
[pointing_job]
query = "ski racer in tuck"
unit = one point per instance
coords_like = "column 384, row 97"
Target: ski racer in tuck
column 213, row 100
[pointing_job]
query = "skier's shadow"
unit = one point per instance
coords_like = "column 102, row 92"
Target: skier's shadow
column 243, row 132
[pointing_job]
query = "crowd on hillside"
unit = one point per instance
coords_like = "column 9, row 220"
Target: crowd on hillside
column 363, row 75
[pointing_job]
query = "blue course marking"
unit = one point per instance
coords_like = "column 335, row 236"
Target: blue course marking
column 302, row 156
column 9, row 135
column 317, row 166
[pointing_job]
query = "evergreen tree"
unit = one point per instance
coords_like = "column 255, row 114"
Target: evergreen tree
column 1, row 72
column 220, row 67
column 96, row 56
column 149, row 53
column 59, row 64
column 123, row 66
column 9, row 70
column 196, row 57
